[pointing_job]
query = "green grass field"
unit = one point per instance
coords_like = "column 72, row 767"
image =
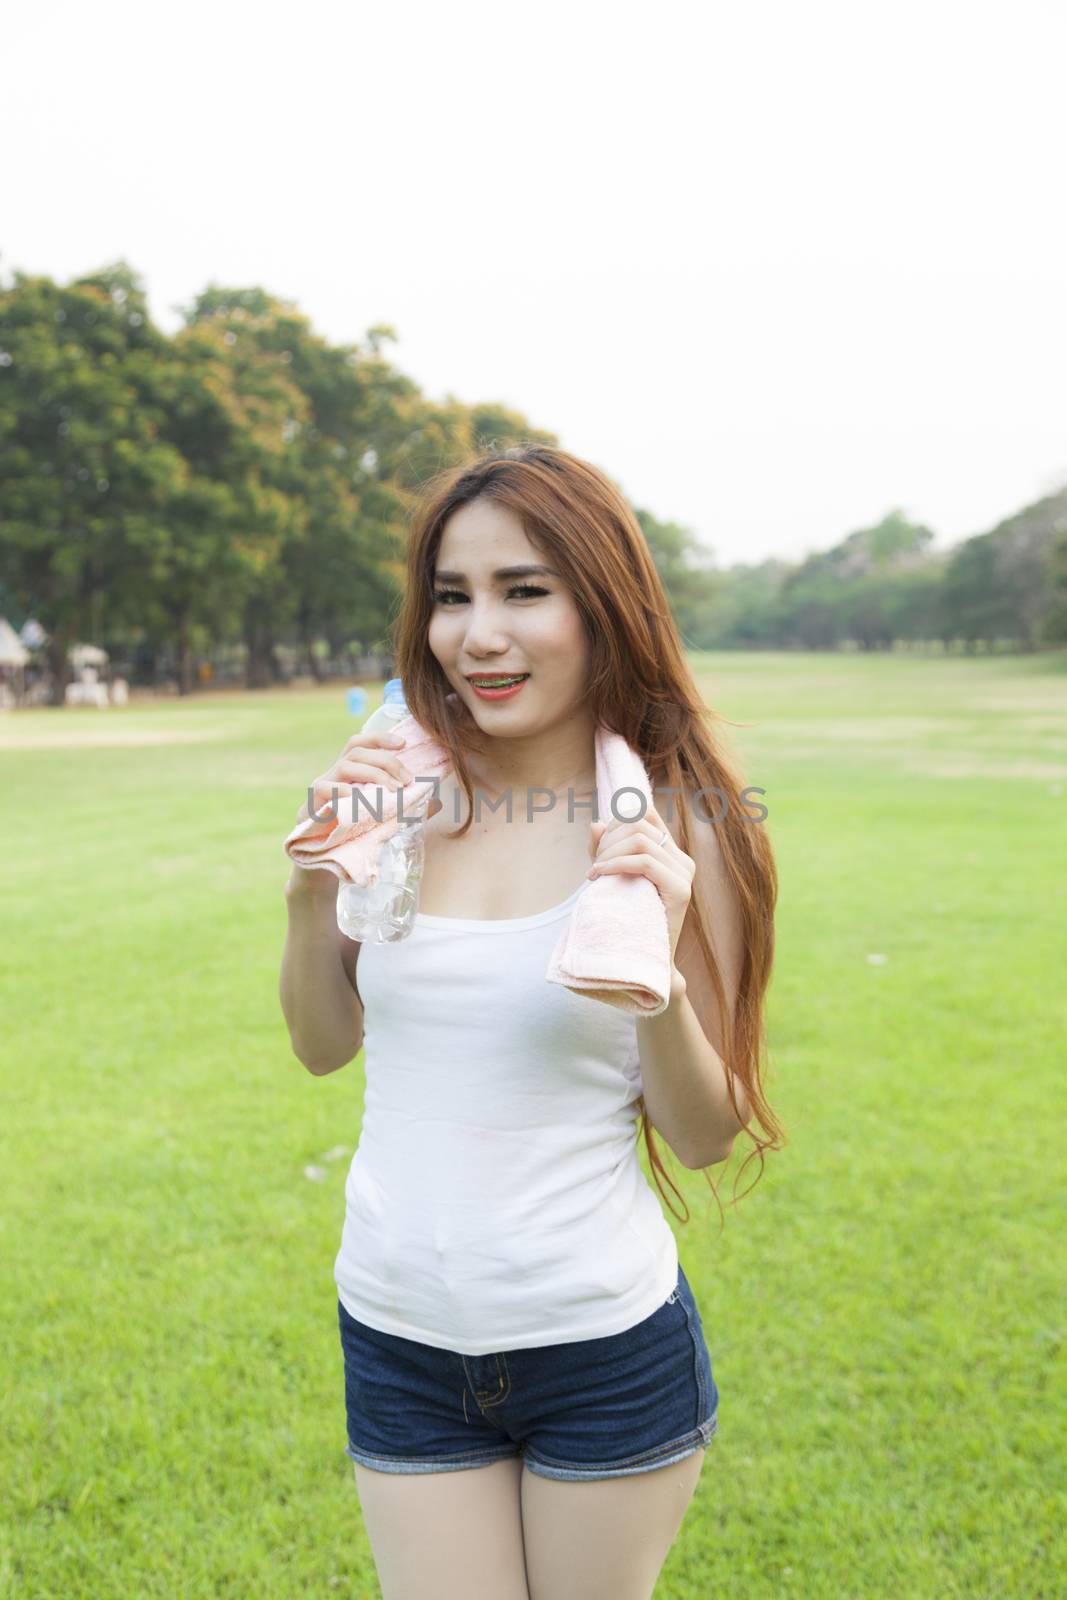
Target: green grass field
column 885, row 1311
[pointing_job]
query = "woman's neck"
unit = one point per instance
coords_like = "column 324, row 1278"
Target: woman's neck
column 565, row 760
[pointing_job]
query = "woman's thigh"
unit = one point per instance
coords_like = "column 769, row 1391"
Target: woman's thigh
column 447, row 1535
column 606, row 1539
column 510, row 1533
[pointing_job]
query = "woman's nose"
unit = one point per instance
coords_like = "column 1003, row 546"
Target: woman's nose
column 484, row 634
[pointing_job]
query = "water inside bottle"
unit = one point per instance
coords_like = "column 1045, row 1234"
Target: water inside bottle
column 384, row 911
column 381, row 913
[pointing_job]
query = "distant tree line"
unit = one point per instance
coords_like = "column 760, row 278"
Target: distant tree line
column 244, row 487
column 883, row 588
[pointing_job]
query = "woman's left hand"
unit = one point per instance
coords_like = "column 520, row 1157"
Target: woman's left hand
column 624, row 846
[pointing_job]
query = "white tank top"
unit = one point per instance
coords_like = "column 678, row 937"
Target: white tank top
column 495, row 1200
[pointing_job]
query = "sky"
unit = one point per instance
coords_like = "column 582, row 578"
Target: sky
column 776, row 269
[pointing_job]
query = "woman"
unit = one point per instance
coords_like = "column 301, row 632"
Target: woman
column 529, row 1392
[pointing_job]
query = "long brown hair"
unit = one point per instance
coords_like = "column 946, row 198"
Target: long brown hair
column 640, row 686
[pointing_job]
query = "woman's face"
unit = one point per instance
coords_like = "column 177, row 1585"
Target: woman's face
column 490, row 625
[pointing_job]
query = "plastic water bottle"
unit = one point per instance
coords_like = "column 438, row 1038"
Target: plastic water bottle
column 383, row 910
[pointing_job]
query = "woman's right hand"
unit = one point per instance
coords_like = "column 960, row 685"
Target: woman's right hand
column 366, row 758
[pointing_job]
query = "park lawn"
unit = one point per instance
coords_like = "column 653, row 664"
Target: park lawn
column 884, row 1310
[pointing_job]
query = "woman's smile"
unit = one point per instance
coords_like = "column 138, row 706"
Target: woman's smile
column 484, row 692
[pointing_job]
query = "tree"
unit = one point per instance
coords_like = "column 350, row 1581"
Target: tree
column 1000, row 584
column 87, row 471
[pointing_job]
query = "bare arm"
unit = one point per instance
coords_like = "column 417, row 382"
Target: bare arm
column 317, row 984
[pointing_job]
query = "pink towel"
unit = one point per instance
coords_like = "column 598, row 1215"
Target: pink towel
column 348, row 844
column 616, row 944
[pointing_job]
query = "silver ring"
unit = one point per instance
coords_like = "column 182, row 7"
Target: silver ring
column 664, row 839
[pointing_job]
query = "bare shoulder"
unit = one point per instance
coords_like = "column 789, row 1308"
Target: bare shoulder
column 704, row 846
column 703, row 834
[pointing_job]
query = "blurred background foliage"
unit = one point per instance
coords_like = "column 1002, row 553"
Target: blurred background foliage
column 230, row 503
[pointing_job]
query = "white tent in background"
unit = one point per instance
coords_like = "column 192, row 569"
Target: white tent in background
column 87, row 655
column 13, row 659
column 13, row 652
column 32, row 634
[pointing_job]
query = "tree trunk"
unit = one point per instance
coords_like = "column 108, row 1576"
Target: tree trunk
column 59, row 669
column 313, row 663
column 261, row 668
column 185, row 654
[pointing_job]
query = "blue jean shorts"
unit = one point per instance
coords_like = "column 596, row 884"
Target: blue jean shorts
column 594, row 1408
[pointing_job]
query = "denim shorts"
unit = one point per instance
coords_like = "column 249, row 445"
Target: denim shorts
column 593, row 1408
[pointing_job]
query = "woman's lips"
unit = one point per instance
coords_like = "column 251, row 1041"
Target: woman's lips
column 497, row 694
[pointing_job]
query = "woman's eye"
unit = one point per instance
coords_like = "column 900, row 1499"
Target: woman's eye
column 515, row 589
